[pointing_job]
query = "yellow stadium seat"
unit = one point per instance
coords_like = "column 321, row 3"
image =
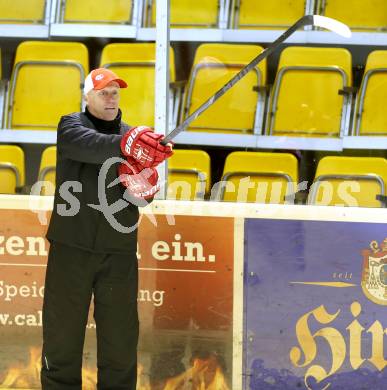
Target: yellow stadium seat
column 357, row 14
column 189, row 174
column 349, row 181
column 22, row 11
column 135, row 63
column 47, row 170
column 266, row 14
column 98, row 11
column 188, row 13
column 258, row 177
column 46, row 83
column 309, row 96
column 372, row 97
column 3, row 88
column 12, row 173
column 240, row 109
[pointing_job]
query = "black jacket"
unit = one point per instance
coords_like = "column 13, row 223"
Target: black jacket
column 81, row 151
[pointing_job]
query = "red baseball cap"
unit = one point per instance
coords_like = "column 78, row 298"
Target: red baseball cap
column 100, row 78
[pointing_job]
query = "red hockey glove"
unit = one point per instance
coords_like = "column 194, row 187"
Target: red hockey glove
column 144, row 146
column 141, row 183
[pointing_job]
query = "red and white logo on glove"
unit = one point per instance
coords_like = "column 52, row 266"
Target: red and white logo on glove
column 132, row 135
column 144, row 146
column 141, row 183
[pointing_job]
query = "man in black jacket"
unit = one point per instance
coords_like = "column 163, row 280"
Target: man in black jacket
column 93, row 248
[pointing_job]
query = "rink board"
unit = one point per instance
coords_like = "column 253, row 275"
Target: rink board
column 313, row 318
column 185, row 297
column 193, row 303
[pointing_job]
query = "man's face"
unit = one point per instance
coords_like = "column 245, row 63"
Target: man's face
column 103, row 103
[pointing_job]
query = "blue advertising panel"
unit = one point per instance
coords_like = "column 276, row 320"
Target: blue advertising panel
column 315, row 305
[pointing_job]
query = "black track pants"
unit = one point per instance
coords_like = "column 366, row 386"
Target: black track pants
column 72, row 276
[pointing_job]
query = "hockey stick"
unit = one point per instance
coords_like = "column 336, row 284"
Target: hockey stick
column 307, row 20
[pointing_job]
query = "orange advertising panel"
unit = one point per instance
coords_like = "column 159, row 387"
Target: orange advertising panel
column 23, row 257
column 185, row 302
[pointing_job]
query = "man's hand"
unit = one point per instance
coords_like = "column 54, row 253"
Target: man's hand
column 144, row 146
column 140, row 182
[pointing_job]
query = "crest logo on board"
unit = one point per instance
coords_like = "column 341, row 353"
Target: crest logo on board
column 374, row 275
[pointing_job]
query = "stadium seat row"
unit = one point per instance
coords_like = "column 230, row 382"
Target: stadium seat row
column 247, row 177
column 362, row 15
column 312, row 95
column 12, row 169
